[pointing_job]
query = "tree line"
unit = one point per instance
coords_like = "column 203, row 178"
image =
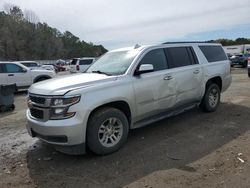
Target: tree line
column 229, row 42
column 23, row 37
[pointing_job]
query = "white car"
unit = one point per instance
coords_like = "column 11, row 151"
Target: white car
column 81, row 64
column 35, row 65
column 22, row 76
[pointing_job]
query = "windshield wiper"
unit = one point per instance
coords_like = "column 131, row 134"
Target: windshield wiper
column 100, row 72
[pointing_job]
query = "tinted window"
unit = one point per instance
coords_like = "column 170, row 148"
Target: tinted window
column 180, row 56
column 85, row 62
column 213, row 53
column 12, row 68
column 30, row 64
column 1, row 68
column 156, row 58
column 73, row 62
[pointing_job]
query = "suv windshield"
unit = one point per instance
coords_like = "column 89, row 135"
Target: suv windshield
column 113, row 63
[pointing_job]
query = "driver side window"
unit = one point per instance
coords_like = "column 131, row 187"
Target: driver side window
column 156, row 58
column 12, row 68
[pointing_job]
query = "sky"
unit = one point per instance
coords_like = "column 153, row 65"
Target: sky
column 121, row 23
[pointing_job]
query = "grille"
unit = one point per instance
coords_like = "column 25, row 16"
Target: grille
column 38, row 100
column 36, row 113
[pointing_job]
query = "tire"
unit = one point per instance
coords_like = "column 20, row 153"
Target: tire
column 211, row 99
column 249, row 74
column 103, row 125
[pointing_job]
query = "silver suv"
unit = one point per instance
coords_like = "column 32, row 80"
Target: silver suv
column 126, row 89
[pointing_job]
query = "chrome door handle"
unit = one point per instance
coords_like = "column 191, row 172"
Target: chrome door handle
column 168, row 78
column 196, row 71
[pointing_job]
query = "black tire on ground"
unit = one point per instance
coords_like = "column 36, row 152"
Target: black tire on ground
column 211, row 99
column 102, row 118
column 249, row 74
column 244, row 64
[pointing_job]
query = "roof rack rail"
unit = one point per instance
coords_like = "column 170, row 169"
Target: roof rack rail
column 186, row 42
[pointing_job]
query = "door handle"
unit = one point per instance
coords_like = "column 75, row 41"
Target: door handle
column 168, row 78
column 196, row 72
column 10, row 74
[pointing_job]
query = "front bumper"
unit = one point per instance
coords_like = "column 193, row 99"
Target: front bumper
column 66, row 132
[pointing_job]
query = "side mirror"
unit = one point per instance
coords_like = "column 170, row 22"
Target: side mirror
column 24, row 70
column 145, row 68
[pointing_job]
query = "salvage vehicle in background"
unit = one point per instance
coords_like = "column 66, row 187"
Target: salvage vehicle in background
column 248, row 67
column 22, row 76
column 240, row 59
column 81, row 64
column 35, row 65
column 125, row 89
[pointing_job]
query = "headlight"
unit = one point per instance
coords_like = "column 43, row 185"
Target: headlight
column 60, row 106
column 65, row 101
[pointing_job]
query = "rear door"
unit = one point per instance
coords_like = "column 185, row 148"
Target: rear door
column 187, row 73
column 84, row 64
column 16, row 74
column 3, row 75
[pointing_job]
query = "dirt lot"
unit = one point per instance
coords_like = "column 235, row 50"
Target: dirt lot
column 194, row 149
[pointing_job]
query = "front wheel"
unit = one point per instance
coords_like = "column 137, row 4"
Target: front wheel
column 107, row 131
column 211, row 99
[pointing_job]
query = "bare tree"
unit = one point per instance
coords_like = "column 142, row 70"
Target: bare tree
column 31, row 16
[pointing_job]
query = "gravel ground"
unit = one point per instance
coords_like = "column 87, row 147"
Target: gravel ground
column 193, row 149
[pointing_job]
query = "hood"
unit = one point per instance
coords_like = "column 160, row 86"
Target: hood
column 63, row 84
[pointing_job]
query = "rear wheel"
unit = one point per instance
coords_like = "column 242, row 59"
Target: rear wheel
column 211, row 99
column 107, row 131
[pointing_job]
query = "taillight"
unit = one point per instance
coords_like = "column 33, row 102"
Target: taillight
column 77, row 67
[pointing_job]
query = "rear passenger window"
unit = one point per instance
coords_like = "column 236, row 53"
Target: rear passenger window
column 85, row 62
column 213, row 53
column 180, row 56
column 12, row 68
column 1, row 68
column 156, row 58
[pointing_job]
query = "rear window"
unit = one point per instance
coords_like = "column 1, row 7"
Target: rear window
column 1, row 68
column 213, row 53
column 30, row 64
column 85, row 61
column 74, row 61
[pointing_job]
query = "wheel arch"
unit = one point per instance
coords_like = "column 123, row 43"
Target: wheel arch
column 39, row 77
column 217, row 80
column 120, row 105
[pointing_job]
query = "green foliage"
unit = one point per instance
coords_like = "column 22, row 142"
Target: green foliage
column 228, row 42
column 22, row 40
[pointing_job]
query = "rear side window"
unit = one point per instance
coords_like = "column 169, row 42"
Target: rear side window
column 85, row 61
column 213, row 53
column 180, row 56
column 1, row 68
column 73, row 62
column 156, row 58
column 12, row 68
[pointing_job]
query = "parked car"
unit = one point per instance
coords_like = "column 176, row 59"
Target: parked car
column 81, row 64
column 126, row 89
column 248, row 67
column 48, row 67
column 56, row 67
column 240, row 59
column 31, row 64
column 22, row 76
column 35, row 65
